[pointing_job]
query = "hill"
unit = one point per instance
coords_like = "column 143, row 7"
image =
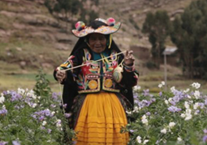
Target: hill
column 30, row 37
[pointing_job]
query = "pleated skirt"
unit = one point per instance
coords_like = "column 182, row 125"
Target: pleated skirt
column 100, row 121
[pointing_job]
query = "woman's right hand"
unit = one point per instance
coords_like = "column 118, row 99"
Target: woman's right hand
column 61, row 75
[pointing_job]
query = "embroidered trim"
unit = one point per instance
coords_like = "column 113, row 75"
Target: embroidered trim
column 67, row 64
column 128, row 68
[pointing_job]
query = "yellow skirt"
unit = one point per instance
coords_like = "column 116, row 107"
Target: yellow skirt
column 100, row 121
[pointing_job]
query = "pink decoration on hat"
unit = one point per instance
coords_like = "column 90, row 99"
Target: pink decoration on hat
column 80, row 26
column 111, row 21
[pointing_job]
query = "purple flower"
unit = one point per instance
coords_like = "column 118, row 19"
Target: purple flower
column 146, row 92
column 16, row 107
column 49, row 130
column 205, row 102
column 201, row 105
column 136, row 101
column 148, row 113
column 34, row 116
column 131, row 130
column 205, row 131
column 205, row 138
column 67, row 115
column 3, row 111
column 64, row 105
column 52, row 105
column 15, row 142
column 173, row 102
column 47, row 112
column 55, row 97
column 135, row 96
column 3, row 143
column 160, row 93
column 41, row 118
column 146, row 103
column 174, row 109
column 15, row 96
column 197, row 111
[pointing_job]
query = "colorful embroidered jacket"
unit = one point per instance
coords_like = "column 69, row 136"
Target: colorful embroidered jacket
column 95, row 76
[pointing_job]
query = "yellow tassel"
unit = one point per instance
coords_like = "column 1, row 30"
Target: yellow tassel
column 110, row 40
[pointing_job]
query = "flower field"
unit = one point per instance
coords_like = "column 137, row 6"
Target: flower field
column 175, row 117
column 33, row 117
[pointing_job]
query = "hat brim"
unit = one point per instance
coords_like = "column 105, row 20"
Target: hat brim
column 105, row 30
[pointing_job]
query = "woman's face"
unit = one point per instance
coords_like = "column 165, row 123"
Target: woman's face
column 97, row 42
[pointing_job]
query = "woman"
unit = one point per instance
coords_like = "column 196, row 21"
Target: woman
column 98, row 92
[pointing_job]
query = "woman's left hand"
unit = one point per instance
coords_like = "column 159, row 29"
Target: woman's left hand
column 129, row 58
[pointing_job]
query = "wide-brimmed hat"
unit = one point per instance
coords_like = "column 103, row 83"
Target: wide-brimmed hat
column 110, row 26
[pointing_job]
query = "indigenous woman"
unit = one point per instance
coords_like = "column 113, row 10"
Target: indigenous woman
column 98, row 82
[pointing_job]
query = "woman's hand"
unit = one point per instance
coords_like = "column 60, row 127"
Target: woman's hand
column 61, row 75
column 129, row 58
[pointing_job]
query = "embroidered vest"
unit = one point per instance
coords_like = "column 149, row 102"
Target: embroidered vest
column 92, row 79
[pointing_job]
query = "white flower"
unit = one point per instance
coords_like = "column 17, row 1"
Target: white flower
column 197, row 94
column 172, row 89
column 52, row 113
column 136, row 109
column 188, row 111
column 189, row 97
column 2, row 99
column 44, row 123
column 186, row 104
column 196, row 85
column 129, row 112
column 171, row 124
column 187, row 90
column 170, row 99
column 144, row 119
column 145, row 141
column 164, row 131
column 20, row 91
column 34, row 105
column 188, row 117
column 179, row 139
column 160, row 85
column 166, row 102
column 136, row 88
column 183, row 115
column 195, row 106
column 139, row 139
column 58, row 123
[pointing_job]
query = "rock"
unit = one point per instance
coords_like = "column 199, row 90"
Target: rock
column 22, row 64
column 46, row 65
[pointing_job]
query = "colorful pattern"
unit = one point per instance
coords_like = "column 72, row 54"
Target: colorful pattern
column 67, row 64
column 81, row 30
column 111, row 21
column 89, row 78
column 117, row 74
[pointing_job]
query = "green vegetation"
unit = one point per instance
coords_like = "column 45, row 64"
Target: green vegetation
column 190, row 36
column 158, row 27
column 71, row 8
column 188, row 32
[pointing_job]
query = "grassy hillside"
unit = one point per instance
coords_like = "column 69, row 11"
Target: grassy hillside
column 30, row 38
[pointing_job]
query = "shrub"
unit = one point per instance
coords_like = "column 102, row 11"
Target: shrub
column 169, row 118
column 30, row 117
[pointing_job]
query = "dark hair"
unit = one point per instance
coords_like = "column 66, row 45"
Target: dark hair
column 96, row 24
